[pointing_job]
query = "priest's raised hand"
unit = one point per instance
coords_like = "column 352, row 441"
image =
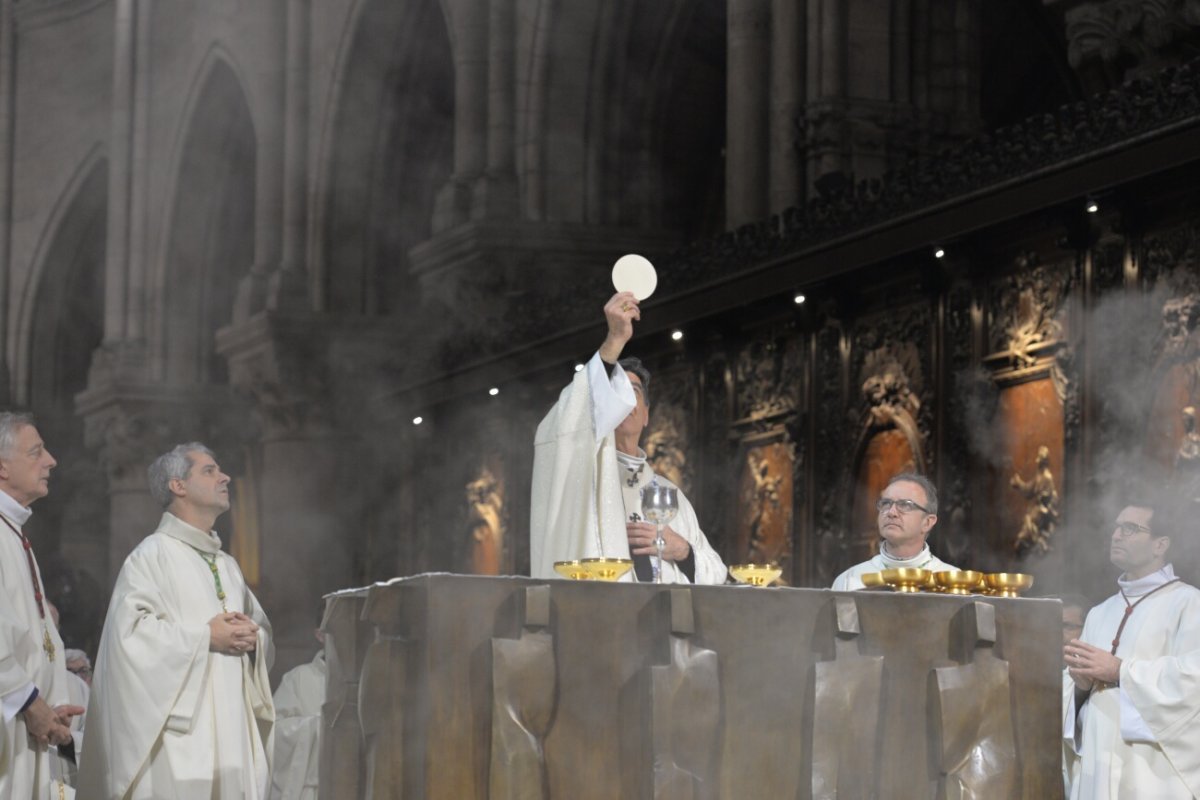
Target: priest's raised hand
column 232, row 633
column 620, row 312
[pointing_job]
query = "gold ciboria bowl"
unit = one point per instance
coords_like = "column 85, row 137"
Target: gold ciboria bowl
column 1009, row 584
column 756, row 574
column 872, row 580
column 594, row 569
column 906, row 579
column 959, row 581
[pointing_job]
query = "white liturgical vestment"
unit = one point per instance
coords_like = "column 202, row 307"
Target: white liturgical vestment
column 577, row 509
column 168, row 718
column 298, row 702
column 1140, row 738
column 25, row 767
column 851, row 579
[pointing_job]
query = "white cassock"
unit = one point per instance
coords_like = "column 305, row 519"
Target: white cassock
column 298, row 702
column 851, row 579
column 577, row 509
column 169, row 718
column 26, row 768
column 1140, row 738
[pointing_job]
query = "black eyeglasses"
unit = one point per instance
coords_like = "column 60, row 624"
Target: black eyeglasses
column 1128, row 529
column 884, row 504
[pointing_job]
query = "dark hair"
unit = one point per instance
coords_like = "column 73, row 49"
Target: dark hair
column 931, row 501
column 634, row 364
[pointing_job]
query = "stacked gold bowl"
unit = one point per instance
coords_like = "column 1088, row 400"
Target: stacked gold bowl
column 756, row 574
column 958, row 581
column 594, row 569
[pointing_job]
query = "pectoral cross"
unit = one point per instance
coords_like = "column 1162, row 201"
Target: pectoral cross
column 47, row 645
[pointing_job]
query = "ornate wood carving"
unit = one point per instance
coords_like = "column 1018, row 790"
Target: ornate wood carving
column 669, row 442
column 1041, row 507
column 487, row 520
column 1025, row 311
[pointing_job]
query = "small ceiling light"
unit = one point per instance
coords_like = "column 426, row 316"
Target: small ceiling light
column 939, row 253
column 799, row 299
column 495, row 390
column 1092, row 207
column 677, row 335
column 418, row 420
column 579, row 367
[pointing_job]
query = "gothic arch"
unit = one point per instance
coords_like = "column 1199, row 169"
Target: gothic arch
column 386, row 150
column 209, row 237
column 69, row 254
column 624, row 100
column 62, row 324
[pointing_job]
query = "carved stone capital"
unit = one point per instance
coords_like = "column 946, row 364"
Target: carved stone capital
column 306, row 374
column 129, row 425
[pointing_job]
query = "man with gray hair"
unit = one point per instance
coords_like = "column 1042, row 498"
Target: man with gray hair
column 181, row 701
column 589, row 470
column 34, row 703
column 907, row 511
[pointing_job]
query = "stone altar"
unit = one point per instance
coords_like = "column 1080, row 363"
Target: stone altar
column 680, row 692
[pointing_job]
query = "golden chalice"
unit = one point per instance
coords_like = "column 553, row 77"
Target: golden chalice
column 872, row 580
column 755, row 574
column 1009, row 584
column 607, row 569
column 906, row 579
column 959, row 581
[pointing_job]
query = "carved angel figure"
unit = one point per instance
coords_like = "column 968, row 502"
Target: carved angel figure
column 1041, row 509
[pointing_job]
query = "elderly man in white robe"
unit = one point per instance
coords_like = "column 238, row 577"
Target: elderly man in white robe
column 907, row 511
column 33, row 676
column 1131, row 688
column 181, row 702
column 589, row 470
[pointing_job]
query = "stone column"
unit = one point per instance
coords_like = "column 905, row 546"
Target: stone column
column 288, row 286
column 282, row 363
column 496, row 191
column 120, row 171
column 746, row 113
column 469, row 39
column 8, row 57
column 786, row 173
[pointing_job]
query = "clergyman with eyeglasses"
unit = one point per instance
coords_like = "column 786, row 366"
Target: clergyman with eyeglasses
column 907, row 513
column 1131, row 689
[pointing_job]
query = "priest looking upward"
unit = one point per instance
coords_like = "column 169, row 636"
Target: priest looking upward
column 1131, row 689
column 33, row 672
column 907, row 511
column 181, row 703
column 589, row 470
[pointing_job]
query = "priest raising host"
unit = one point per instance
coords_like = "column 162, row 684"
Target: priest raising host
column 589, row 470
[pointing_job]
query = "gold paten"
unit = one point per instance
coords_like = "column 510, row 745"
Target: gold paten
column 1009, row 584
column 906, row 579
column 755, row 574
column 959, row 581
column 594, row 569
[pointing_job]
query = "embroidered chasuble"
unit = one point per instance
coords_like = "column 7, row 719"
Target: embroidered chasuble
column 27, row 769
column 169, row 718
column 578, row 509
column 1140, row 738
column 298, row 702
column 851, row 579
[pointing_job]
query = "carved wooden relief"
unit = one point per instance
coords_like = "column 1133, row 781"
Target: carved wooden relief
column 487, row 520
column 832, row 547
column 1171, row 264
column 955, row 499
column 669, row 438
column 1025, row 311
column 768, row 375
column 764, row 505
column 972, row 715
column 892, row 416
